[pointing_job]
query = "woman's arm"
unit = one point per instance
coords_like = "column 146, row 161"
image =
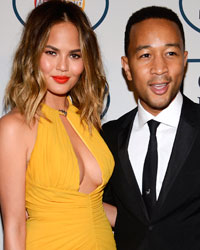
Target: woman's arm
column 111, row 213
column 13, row 150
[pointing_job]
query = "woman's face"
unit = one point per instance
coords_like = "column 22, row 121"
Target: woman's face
column 61, row 61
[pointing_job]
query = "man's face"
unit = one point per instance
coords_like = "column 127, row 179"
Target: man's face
column 155, row 63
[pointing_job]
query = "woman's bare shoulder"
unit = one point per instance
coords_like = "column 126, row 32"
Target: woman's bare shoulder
column 13, row 123
column 16, row 135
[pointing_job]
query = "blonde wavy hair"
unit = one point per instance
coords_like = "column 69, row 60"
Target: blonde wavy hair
column 26, row 89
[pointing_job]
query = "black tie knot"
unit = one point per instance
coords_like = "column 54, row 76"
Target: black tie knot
column 153, row 125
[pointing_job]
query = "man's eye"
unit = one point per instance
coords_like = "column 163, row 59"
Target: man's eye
column 146, row 55
column 171, row 53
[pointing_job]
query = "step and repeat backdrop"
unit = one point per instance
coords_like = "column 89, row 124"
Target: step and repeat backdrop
column 108, row 18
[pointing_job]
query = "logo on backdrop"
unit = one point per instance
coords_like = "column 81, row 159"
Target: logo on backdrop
column 95, row 9
column 80, row 3
column 191, row 13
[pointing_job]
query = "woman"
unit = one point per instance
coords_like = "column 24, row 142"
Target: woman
column 53, row 162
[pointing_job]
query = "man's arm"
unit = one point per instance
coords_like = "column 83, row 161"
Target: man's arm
column 108, row 198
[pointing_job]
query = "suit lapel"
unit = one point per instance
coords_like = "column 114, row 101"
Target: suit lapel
column 185, row 137
column 123, row 140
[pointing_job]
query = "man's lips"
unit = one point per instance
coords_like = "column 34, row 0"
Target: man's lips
column 159, row 88
column 60, row 79
column 159, row 85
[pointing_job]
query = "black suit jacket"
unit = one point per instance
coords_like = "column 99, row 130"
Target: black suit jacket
column 175, row 223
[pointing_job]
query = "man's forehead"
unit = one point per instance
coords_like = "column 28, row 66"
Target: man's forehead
column 155, row 28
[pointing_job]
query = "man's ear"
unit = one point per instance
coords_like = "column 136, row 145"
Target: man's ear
column 125, row 66
column 185, row 58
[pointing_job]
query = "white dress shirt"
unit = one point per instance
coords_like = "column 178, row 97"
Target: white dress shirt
column 166, row 131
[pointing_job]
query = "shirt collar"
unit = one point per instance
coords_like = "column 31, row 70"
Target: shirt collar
column 169, row 116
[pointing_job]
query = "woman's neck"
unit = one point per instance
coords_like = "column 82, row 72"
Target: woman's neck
column 57, row 102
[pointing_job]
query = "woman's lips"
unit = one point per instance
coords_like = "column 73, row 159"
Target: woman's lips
column 60, row 79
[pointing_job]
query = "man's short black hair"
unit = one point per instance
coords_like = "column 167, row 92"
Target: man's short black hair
column 151, row 12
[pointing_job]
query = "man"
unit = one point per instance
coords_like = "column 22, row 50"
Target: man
column 156, row 181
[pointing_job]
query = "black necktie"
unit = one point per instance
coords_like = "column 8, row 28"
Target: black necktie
column 150, row 169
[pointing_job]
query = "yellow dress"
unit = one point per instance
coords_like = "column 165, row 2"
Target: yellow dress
column 61, row 217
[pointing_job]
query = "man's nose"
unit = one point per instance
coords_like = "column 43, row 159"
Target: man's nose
column 159, row 65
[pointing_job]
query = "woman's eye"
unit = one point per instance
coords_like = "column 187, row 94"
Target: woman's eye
column 50, row 52
column 75, row 56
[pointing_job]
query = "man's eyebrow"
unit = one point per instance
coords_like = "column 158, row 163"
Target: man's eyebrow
column 173, row 45
column 149, row 46
column 142, row 47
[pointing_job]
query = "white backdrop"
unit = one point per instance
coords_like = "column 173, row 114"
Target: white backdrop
column 109, row 19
